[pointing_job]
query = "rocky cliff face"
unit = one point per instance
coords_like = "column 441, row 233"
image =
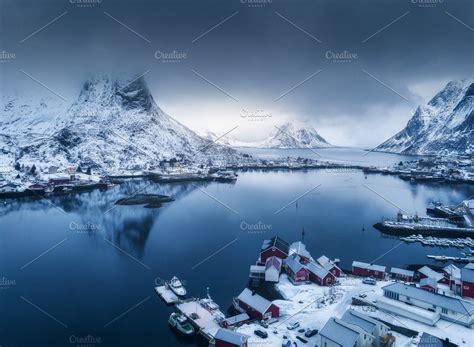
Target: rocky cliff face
column 444, row 126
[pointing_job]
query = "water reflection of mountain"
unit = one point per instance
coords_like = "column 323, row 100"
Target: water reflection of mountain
column 95, row 212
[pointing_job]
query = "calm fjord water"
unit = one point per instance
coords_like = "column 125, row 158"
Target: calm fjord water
column 103, row 260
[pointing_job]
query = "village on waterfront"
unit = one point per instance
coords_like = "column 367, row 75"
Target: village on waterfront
column 293, row 298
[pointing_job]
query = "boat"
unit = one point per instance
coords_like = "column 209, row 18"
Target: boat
column 177, row 287
column 181, row 324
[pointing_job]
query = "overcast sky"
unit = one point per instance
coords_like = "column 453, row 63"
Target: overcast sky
column 280, row 57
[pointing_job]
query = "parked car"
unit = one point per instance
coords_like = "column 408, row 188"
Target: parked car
column 261, row 333
column 369, row 280
column 293, row 326
column 310, row 332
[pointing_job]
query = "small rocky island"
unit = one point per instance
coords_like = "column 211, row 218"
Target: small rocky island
column 147, row 200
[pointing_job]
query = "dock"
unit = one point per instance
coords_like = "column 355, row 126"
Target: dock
column 167, row 295
column 205, row 320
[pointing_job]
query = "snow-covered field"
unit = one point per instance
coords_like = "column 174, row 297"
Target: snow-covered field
column 312, row 305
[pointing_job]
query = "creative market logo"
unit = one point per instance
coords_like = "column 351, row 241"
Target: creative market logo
column 427, row 3
column 85, row 3
column 341, row 57
column 6, row 56
column 172, row 57
column 258, row 115
column 256, row 3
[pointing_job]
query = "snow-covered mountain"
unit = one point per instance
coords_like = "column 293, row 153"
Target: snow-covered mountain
column 285, row 136
column 444, row 126
column 113, row 126
column 289, row 136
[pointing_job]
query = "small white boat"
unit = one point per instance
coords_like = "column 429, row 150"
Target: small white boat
column 177, row 287
column 181, row 324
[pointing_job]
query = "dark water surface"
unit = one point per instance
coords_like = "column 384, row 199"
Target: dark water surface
column 97, row 264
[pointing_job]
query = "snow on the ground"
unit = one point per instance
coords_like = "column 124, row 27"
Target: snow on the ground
column 312, row 305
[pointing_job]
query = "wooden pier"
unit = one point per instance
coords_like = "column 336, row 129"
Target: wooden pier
column 205, row 321
column 167, row 295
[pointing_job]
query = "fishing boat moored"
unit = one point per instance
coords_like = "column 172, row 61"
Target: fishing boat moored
column 181, row 324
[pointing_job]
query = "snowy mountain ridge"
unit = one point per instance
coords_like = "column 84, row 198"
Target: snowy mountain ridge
column 285, row 136
column 443, row 127
column 113, row 126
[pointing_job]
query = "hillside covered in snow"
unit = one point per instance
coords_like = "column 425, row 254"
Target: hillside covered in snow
column 442, row 127
column 285, row 136
column 113, row 126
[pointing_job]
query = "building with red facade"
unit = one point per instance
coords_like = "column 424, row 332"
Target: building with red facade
column 275, row 247
column 368, row 270
column 256, row 306
column 467, row 281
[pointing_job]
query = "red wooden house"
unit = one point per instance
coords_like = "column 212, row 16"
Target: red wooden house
column 229, row 338
column 275, row 247
column 467, row 280
column 429, row 284
column 297, row 273
column 427, row 272
column 256, row 306
column 319, row 274
column 402, row 274
column 368, row 270
column 299, row 249
column 329, row 265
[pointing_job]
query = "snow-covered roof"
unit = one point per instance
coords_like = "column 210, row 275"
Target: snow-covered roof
column 325, row 262
column 237, row 319
column 403, row 272
column 273, row 262
column 467, row 274
column 429, row 272
column 294, row 264
column 361, row 320
column 431, row 282
column 340, row 332
column 452, row 270
column 257, row 302
column 275, row 242
column 317, row 269
column 230, row 336
column 300, row 249
column 451, row 303
column 367, row 266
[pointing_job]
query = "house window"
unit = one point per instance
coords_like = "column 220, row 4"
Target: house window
column 444, row 310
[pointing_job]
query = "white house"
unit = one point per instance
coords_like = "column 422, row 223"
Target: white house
column 448, row 308
column 272, row 269
column 368, row 324
column 338, row 333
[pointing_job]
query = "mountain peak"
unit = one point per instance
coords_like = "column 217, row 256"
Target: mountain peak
column 442, row 127
column 133, row 93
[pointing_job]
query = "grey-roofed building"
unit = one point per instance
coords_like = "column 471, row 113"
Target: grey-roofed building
column 426, row 271
column 449, row 308
column 368, row 324
column 338, row 333
column 272, row 269
column 236, row 320
column 429, row 284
